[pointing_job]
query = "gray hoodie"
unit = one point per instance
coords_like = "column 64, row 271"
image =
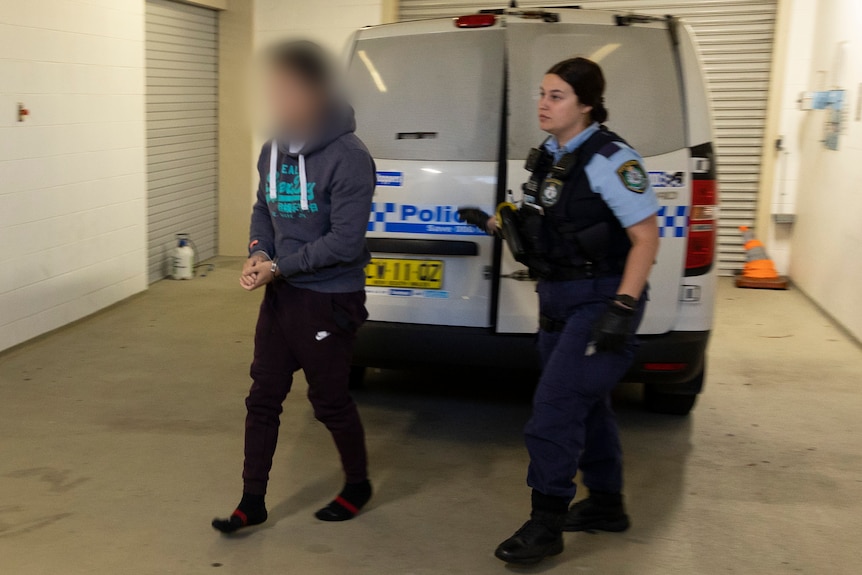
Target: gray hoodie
column 315, row 218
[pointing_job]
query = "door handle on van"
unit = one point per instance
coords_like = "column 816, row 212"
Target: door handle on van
column 423, row 247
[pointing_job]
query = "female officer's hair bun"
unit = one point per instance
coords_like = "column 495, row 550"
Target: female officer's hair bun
column 587, row 80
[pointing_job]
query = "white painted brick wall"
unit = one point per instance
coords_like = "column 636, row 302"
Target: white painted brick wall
column 72, row 177
column 803, row 17
column 827, row 236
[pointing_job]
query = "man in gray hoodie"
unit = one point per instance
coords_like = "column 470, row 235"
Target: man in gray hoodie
column 308, row 248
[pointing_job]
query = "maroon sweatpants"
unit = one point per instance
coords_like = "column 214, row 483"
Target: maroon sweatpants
column 313, row 331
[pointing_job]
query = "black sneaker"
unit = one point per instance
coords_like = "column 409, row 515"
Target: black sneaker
column 540, row 537
column 598, row 512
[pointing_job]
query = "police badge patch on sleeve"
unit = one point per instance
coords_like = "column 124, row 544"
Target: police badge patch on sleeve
column 634, row 177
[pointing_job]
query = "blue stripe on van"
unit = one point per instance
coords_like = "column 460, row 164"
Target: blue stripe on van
column 393, row 179
column 419, row 219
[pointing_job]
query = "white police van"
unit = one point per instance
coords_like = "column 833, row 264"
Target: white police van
column 448, row 109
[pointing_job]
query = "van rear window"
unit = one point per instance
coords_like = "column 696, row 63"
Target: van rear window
column 430, row 97
column 643, row 88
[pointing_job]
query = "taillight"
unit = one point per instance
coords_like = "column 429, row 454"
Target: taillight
column 476, row 21
column 702, row 226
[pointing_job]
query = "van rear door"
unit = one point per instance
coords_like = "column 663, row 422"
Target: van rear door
column 644, row 98
column 428, row 100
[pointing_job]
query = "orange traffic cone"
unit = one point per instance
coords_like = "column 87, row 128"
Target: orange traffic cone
column 759, row 271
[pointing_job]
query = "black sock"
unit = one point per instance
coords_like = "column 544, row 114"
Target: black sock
column 348, row 503
column 250, row 511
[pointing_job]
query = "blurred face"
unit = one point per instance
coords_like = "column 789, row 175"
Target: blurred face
column 561, row 113
column 294, row 105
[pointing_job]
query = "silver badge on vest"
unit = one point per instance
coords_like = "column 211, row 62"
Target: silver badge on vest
column 552, row 188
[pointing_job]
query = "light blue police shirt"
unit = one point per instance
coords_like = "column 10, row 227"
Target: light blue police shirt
column 614, row 178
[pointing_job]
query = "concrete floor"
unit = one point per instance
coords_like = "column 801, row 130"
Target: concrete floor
column 121, row 438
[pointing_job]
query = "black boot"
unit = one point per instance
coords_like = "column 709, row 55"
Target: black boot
column 600, row 511
column 540, row 537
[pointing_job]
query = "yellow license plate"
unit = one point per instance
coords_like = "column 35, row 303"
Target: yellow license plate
column 391, row 272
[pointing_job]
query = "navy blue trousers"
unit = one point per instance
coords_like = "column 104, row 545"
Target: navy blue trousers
column 573, row 425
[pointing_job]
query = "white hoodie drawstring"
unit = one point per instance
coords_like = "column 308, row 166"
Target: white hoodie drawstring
column 303, row 178
column 273, row 159
column 303, row 183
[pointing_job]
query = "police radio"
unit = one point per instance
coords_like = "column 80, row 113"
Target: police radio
column 539, row 162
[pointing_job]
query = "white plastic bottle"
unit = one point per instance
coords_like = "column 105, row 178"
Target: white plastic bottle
column 183, row 259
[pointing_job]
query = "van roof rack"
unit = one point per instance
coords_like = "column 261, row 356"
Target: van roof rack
column 502, row 11
column 629, row 19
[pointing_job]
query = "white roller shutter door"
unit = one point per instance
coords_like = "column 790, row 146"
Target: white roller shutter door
column 182, row 129
column 736, row 40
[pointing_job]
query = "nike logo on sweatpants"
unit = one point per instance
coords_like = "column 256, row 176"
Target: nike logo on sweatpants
column 321, row 335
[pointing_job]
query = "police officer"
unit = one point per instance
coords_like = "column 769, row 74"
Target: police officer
column 587, row 229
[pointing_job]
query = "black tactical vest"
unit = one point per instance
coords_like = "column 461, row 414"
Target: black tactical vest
column 581, row 235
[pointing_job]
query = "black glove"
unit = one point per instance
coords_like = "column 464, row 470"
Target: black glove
column 474, row 216
column 614, row 328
